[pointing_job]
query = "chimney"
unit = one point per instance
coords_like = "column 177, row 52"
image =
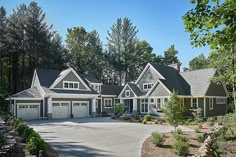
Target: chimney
column 176, row 66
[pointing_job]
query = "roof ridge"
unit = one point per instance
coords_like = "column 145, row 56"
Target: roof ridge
column 199, row 70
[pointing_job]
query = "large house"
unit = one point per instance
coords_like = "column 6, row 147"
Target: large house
column 67, row 94
column 54, row 94
column 152, row 89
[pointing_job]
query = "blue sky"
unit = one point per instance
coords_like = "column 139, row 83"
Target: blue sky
column 159, row 21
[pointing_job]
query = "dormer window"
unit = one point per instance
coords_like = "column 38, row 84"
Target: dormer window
column 147, row 86
column 127, row 93
column 96, row 87
column 70, row 85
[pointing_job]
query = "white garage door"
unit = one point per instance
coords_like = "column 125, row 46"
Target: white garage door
column 60, row 110
column 28, row 111
column 80, row 109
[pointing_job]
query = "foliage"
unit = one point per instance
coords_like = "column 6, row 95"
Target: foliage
column 229, row 122
column 197, row 130
column 200, row 138
column 180, row 137
column 141, row 119
column 197, row 114
column 157, row 138
column 21, row 127
column 170, row 55
column 119, row 108
column 218, row 144
column 105, row 114
column 211, row 121
column 200, row 126
column 174, row 112
column 36, row 144
column 179, row 131
column 212, row 23
column 199, row 62
column 181, row 147
column 144, row 121
column 28, row 132
column 147, row 117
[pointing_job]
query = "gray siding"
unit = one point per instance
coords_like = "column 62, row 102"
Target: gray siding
column 70, row 77
column 98, row 110
column 31, row 101
column 218, row 109
column 150, row 76
column 216, row 90
column 108, row 110
column 74, row 99
column 131, row 93
column 159, row 91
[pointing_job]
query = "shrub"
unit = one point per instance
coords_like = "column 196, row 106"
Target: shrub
column 119, row 108
column 179, row 131
column 21, row 127
column 36, row 144
column 144, row 121
column 200, row 138
column 104, row 114
column 27, row 133
column 15, row 122
column 141, row 119
column 180, row 137
column 148, row 117
column 2, row 140
column 158, row 139
column 219, row 145
column 197, row 130
column 33, row 134
column 181, row 147
column 211, row 121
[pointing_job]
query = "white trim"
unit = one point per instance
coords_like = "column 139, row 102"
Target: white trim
column 93, row 82
column 155, row 85
column 68, row 82
column 64, row 75
column 204, row 107
column 147, row 86
column 60, row 102
column 33, row 78
column 127, row 85
column 145, row 69
column 211, row 102
column 108, row 95
column 104, row 102
column 144, row 105
column 28, row 103
column 56, row 95
column 24, row 98
column 127, row 91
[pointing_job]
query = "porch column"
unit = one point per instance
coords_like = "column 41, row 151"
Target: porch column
column 14, row 107
column 49, row 107
column 204, row 112
column 94, row 107
column 135, row 100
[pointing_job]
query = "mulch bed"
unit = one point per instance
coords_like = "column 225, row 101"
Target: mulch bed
column 150, row 150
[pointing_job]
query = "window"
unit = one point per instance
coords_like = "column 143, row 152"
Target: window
column 194, row 104
column 127, row 93
column 108, row 103
column 23, row 106
column 55, row 104
column 211, row 103
column 159, row 107
column 147, row 86
column 76, row 104
column 220, row 101
column 70, row 85
column 96, row 87
column 144, row 105
column 33, row 106
column 64, row 104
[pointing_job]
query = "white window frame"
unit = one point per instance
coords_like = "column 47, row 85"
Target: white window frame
column 147, row 84
column 96, row 87
column 107, row 99
column 211, row 103
column 219, row 101
column 192, row 103
column 159, row 103
column 69, row 82
column 127, row 91
column 144, row 102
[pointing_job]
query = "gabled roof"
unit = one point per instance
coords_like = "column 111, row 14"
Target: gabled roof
column 199, row 80
column 47, row 77
column 173, row 79
column 136, row 89
column 89, row 77
column 111, row 89
column 28, row 93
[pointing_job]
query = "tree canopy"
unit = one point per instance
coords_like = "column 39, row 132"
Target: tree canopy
column 199, row 62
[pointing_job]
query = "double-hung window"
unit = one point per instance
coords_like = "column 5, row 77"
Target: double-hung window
column 194, row 104
column 147, row 86
column 108, row 103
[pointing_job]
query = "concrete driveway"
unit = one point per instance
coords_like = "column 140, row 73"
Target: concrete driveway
column 90, row 137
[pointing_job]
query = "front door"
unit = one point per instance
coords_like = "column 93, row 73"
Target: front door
column 129, row 105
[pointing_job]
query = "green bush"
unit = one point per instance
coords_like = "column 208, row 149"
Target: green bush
column 158, row 139
column 218, row 145
column 33, row 134
column 140, row 119
column 119, row 108
column 36, row 144
column 148, row 117
column 180, row 137
column 15, row 122
column 21, row 127
column 179, row 131
column 181, row 147
column 200, row 138
column 144, row 121
column 27, row 133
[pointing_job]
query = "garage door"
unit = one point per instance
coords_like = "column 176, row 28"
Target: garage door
column 80, row 109
column 60, row 110
column 28, row 111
